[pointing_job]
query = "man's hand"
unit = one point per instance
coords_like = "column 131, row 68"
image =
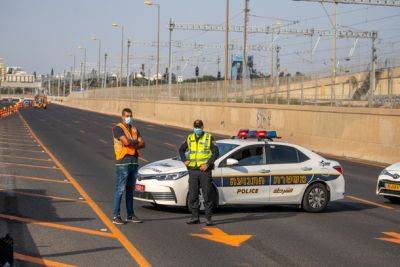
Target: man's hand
column 187, row 163
column 203, row 167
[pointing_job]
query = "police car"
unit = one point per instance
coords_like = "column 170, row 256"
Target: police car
column 251, row 169
column 388, row 184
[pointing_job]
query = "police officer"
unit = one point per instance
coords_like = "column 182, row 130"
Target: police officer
column 200, row 161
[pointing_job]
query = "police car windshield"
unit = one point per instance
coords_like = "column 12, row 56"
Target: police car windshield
column 224, row 148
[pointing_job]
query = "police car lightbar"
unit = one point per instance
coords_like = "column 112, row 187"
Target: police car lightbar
column 261, row 134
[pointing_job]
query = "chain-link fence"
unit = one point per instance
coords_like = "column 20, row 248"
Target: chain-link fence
column 347, row 90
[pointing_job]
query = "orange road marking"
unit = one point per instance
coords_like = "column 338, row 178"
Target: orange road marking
column 42, row 196
column 393, row 237
column 169, row 144
column 28, row 158
column 19, row 145
column 34, row 178
column 29, row 165
column 56, row 225
column 39, row 261
column 217, row 235
column 132, row 250
column 17, row 149
column 370, row 202
column 17, row 140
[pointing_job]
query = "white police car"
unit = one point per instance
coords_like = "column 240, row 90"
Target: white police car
column 251, row 169
column 388, row 184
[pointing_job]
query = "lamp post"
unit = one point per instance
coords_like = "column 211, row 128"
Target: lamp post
column 128, row 80
column 94, row 38
column 83, row 83
column 115, row 25
column 72, row 72
column 150, row 3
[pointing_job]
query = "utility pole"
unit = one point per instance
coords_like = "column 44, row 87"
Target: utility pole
column 278, row 70
column 246, row 20
column 81, row 76
column 334, row 58
column 218, row 73
column 58, row 85
column 272, row 55
column 64, row 83
column 226, row 67
column 372, row 83
column 105, row 71
column 170, row 28
column 71, row 81
column 128, row 80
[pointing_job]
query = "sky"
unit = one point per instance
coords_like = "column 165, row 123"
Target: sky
column 41, row 35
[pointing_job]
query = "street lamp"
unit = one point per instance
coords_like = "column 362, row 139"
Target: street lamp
column 94, row 38
column 84, row 66
column 150, row 3
column 115, row 25
column 72, row 72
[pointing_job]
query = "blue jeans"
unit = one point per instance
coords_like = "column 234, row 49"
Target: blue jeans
column 125, row 182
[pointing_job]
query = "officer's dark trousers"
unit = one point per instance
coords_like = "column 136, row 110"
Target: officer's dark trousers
column 197, row 180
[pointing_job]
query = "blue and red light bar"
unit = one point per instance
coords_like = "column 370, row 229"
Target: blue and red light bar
column 260, row 134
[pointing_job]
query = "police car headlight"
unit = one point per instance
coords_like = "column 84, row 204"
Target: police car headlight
column 171, row 176
column 385, row 172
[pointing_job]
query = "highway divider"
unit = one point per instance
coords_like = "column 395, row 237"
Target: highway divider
column 369, row 134
column 9, row 110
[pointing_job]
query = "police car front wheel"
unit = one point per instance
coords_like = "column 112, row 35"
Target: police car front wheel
column 315, row 198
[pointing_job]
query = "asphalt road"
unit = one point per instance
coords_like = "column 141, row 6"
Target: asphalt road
column 345, row 235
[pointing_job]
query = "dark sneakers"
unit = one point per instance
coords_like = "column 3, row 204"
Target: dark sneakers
column 118, row 220
column 133, row 219
column 193, row 221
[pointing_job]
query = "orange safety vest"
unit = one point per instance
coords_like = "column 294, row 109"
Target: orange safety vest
column 119, row 148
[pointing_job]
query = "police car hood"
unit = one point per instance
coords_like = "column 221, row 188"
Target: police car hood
column 394, row 168
column 163, row 166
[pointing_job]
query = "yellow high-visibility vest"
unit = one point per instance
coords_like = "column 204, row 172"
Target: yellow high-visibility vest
column 199, row 151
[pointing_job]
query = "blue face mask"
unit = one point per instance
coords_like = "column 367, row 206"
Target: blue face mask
column 128, row 120
column 198, row 131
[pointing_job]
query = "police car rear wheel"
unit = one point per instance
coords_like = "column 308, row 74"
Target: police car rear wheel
column 315, row 198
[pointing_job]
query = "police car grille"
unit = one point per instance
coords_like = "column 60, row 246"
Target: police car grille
column 163, row 196
column 392, row 192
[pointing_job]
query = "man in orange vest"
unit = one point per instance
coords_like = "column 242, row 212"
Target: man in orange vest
column 127, row 145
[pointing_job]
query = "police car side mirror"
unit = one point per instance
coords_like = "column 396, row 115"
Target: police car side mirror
column 232, row 162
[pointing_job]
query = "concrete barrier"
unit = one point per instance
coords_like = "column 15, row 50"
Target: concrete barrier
column 361, row 133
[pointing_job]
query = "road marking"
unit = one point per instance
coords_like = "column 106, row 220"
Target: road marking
column 34, row 178
column 144, row 160
column 103, row 141
column 217, row 235
column 82, row 131
column 19, row 144
column 17, row 140
column 393, row 237
column 42, row 196
column 39, row 261
column 170, row 145
column 28, row 158
column 75, row 121
column 370, row 202
column 56, row 225
column 12, row 149
column 181, row 135
column 29, row 165
column 132, row 250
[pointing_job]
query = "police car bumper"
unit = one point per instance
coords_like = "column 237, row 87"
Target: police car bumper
column 168, row 193
column 388, row 187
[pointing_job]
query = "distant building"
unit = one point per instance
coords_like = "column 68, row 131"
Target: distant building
column 15, row 77
column 3, row 70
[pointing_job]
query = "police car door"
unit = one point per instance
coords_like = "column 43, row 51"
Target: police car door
column 247, row 180
column 290, row 172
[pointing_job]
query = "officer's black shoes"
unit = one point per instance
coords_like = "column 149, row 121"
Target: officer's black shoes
column 193, row 221
column 118, row 220
column 133, row 219
column 210, row 222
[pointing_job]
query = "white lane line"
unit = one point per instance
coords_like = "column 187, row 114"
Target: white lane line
column 103, row 141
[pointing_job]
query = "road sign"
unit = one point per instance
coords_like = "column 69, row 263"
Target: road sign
column 180, row 79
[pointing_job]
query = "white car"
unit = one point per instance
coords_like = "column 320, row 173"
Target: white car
column 388, row 184
column 250, row 171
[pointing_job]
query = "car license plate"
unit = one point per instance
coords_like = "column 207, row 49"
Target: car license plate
column 140, row 188
column 394, row 187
